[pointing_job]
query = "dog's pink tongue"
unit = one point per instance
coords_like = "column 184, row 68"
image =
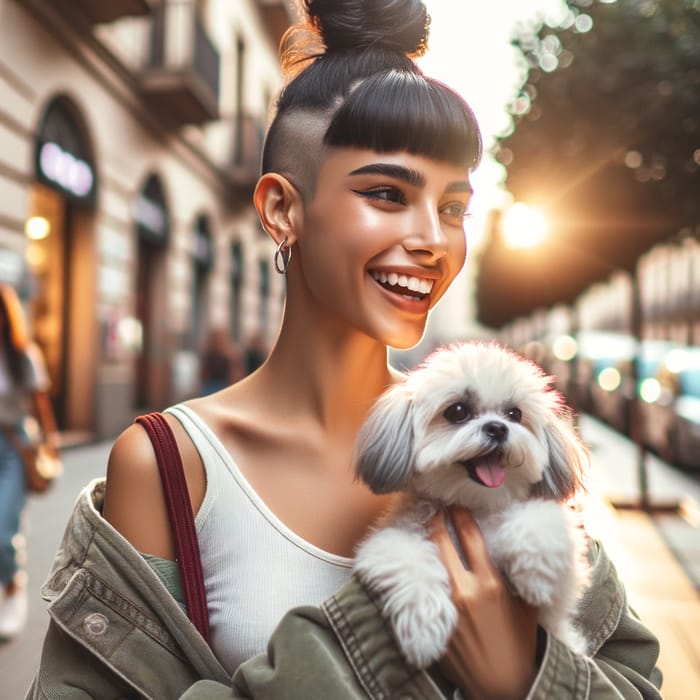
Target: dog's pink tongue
column 491, row 472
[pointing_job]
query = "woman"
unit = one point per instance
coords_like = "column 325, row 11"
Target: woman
column 23, row 393
column 364, row 191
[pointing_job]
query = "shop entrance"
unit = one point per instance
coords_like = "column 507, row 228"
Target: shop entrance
column 61, row 257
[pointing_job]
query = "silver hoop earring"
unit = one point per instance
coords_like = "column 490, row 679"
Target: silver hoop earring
column 283, row 254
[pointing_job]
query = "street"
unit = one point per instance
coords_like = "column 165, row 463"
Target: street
column 46, row 515
column 657, row 557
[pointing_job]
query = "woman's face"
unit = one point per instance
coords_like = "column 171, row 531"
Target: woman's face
column 382, row 240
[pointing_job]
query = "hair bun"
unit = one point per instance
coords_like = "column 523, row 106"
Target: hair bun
column 397, row 25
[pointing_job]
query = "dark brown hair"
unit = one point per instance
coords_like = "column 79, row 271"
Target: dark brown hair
column 353, row 60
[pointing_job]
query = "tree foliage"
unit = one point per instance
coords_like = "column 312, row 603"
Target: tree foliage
column 606, row 138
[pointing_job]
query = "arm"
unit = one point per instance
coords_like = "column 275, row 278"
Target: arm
column 624, row 652
column 134, row 502
column 43, row 410
column 77, row 663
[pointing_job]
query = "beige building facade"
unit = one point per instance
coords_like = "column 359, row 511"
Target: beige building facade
column 131, row 134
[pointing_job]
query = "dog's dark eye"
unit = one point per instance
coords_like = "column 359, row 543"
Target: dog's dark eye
column 514, row 414
column 457, row 413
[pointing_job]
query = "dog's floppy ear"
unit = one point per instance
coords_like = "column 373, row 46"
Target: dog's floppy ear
column 384, row 450
column 567, row 461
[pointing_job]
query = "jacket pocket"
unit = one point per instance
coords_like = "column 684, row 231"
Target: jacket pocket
column 123, row 637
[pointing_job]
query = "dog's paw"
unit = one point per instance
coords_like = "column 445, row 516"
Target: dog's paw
column 534, row 544
column 406, row 571
column 423, row 626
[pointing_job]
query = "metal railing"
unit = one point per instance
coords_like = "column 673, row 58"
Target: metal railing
column 179, row 42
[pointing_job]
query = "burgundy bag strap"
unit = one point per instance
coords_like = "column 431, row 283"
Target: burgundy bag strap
column 181, row 518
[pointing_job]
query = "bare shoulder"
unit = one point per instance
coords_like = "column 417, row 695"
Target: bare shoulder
column 242, row 420
column 237, row 405
column 134, row 502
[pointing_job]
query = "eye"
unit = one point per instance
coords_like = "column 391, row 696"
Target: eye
column 455, row 211
column 383, row 194
column 514, row 414
column 457, row 413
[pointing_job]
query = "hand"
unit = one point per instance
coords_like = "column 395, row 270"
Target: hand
column 52, row 441
column 492, row 652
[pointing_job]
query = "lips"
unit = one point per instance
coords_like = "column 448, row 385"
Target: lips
column 408, row 286
column 487, row 470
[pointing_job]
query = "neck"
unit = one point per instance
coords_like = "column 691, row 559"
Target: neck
column 335, row 378
column 326, row 373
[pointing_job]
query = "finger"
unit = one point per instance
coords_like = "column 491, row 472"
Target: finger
column 447, row 550
column 438, row 529
column 472, row 541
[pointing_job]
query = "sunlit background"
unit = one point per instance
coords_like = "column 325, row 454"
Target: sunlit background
column 471, row 50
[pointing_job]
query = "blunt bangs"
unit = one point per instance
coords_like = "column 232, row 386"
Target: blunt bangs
column 400, row 111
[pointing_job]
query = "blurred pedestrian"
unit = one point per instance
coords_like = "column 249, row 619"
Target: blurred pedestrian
column 24, row 393
column 221, row 362
column 256, row 351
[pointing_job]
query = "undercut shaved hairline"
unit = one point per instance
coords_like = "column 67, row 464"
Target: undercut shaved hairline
column 297, row 150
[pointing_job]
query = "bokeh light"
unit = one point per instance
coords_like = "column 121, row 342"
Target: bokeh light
column 650, row 390
column 565, row 348
column 37, row 228
column 609, row 379
column 524, row 226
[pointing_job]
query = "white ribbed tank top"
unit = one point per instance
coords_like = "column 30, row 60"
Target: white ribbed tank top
column 255, row 568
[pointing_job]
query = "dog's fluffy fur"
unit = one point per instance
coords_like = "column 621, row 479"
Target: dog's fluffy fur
column 479, row 427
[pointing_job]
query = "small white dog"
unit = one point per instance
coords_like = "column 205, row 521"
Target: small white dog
column 479, row 427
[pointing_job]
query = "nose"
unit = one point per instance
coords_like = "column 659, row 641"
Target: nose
column 427, row 237
column 496, row 430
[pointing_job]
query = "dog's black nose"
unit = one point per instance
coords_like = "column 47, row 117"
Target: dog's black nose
column 496, row 430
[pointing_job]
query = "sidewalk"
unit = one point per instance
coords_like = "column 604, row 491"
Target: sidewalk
column 656, row 554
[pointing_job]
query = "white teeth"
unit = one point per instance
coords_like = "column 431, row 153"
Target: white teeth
column 415, row 284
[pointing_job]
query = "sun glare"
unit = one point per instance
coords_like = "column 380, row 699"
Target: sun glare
column 524, row 226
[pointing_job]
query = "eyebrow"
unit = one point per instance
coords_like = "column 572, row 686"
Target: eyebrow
column 409, row 175
column 460, row 186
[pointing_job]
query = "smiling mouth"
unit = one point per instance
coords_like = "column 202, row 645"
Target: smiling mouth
column 487, row 469
column 414, row 288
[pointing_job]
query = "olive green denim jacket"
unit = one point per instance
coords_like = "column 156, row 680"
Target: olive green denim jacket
column 115, row 632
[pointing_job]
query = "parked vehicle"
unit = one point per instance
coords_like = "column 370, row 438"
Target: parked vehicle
column 599, row 355
column 616, row 386
column 685, row 435
column 670, row 408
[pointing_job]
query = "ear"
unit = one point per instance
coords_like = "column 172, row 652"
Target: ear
column 568, row 459
column 384, row 451
column 280, row 207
